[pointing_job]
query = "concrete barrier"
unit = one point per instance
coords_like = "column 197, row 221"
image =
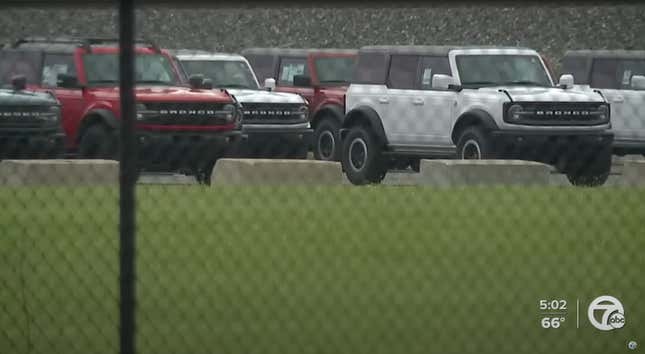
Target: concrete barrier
column 450, row 173
column 634, row 173
column 59, row 172
column 230, row 171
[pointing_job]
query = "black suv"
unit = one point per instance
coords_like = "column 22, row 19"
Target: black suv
column 30, row 123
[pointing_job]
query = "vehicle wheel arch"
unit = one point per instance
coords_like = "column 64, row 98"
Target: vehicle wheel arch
column 97, row 116
column 475, row 117
column 328, row 111
column 364, row 115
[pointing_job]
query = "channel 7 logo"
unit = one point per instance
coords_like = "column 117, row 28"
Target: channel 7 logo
column 611, row 311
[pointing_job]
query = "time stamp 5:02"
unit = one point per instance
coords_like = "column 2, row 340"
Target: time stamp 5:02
column 553, row 312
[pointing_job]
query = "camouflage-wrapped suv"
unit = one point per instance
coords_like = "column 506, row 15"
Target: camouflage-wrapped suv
column 30, row 124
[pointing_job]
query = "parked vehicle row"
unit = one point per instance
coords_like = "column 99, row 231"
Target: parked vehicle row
column 374, row 109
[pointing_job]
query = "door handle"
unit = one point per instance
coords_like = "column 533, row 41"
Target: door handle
column 383, row 100
column 417, row 101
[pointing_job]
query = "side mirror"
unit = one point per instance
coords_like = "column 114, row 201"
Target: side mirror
column 566, row 81
column 207, row 84
column 269, row 84
column 19, row 82
column 638, row 82
column 67, row 81
column 444, row 82
column 196, row 81
column 301, row 81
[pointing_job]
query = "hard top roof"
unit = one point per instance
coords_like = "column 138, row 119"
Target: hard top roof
column 297, row 51
column 69, row 44
column 606, row 53
column 433, row 50
column 204, row 54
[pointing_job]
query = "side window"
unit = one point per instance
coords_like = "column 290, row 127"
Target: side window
column 371, row 68
column 627, row 69
column 578, row 67
column 431, row 66
column 603, row 73
column 263, row 66
column 17, row 62
column 403, row 71
column 290, row 67
column 57, row 64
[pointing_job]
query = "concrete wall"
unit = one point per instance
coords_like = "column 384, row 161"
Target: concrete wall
column 549, row 28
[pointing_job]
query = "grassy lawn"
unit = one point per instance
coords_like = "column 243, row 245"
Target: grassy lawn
column 338, row 270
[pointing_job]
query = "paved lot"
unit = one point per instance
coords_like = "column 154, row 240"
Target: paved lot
column 394, row 178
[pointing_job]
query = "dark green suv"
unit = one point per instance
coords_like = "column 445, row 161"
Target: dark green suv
column 30, row 123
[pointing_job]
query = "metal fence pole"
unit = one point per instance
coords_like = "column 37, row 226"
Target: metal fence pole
column 128, row 176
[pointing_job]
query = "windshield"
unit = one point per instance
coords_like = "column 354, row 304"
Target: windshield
column 335, row 70
column 493, row 70
column 149, row 69
column 223, row 73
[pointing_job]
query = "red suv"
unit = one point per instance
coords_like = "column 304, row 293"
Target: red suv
column 321, row 76
column 179, row 127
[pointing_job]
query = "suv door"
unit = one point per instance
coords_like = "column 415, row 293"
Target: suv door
column 439, row 105
column 287, row 69
column 613, row 77
column 72, row 99
column 403, row 105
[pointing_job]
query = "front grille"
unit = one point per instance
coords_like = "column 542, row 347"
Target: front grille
column 183, row 114
column 24, row 116
column 558, row 113
column 271, row 112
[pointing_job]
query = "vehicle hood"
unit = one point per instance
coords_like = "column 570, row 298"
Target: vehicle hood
column 11, row 98
column 262, row 96
column 547, row 94
column 167, row 94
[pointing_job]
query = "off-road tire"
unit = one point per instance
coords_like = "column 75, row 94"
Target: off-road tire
column 361, row 157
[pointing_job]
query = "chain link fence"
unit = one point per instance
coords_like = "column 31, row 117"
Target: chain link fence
column 254, row 233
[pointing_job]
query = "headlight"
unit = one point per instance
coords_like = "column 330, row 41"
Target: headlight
column 514, row 112
column 604, row 112
column 303, row 112
column 228, row 112
column 142, row 111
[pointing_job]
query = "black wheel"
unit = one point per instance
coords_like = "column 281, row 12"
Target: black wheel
column 203, row 173
column 592, row 173
column 98, row 142
column 473, row 144
column 327, row 140
column 361, row 157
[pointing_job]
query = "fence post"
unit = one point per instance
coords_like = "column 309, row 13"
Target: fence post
column 127, row 176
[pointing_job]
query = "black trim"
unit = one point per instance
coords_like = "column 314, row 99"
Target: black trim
column 372, row 117
column 557, row 106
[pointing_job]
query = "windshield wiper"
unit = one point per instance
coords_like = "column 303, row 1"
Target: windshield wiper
column 524, row 83
column 156, row 82
column 103, row 82
column 233, row 86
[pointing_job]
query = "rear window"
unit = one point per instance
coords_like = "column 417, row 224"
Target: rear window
column 263, row 66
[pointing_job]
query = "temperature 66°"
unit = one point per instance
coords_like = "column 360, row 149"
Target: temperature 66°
column 552, row 322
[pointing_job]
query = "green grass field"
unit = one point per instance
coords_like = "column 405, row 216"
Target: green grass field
column 338, row 270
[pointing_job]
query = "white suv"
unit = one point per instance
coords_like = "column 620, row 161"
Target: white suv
column 274, row 124
column 411, row 102
column 620, row 76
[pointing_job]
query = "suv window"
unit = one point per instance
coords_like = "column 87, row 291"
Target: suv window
column 334, row 69
column 603, row 73
column 403, row 71
column 578, row 67
column 263, row 66
column 431, row 66
column 290, row 67
column 55, row 64
column 629, row 68
column 17, row 62
column 371, row 69
column 224, row 73
column 149, row 69
column 501, row 69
